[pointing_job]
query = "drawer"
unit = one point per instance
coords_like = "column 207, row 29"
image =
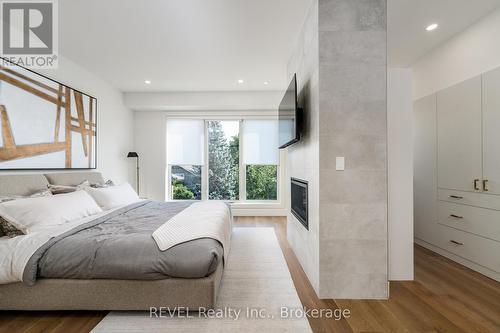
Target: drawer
column 479, row 221
column 477, row 249
column 477, row 199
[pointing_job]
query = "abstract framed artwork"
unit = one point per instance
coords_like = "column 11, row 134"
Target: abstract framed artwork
column 44, row 124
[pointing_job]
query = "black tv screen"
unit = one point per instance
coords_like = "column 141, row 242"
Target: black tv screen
column 288, row 113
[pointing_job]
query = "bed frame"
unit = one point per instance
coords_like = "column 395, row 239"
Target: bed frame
column 99, row 294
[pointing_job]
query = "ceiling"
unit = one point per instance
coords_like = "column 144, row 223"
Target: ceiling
column 200, row 45
column 183, row 45
column 407, row 19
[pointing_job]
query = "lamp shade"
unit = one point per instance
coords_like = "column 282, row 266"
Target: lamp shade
column 132, row 154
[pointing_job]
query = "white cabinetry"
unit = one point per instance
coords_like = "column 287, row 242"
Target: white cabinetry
column 477, row 250
column 491, row 131
column 457, row 173
column 459, row 136
column 474, row 220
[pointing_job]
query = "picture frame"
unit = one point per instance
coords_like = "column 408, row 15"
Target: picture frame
column 44, row 124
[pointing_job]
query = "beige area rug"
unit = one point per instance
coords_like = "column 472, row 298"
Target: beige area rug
column 256, row 282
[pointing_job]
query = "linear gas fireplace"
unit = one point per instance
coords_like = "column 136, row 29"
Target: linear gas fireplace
column 299, row 201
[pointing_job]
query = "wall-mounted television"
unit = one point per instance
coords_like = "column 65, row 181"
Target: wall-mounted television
column 289, row 116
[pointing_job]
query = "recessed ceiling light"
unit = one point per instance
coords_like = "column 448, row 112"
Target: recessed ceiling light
column 266, row 83
column 147, row 82
column 240, row 81
column 432, row 26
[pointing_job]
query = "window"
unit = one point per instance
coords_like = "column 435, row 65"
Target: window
column 260, row 157
column 185, row 182
column 185, row 158
column 233, row 160
column 262, row 182
column 223, row 160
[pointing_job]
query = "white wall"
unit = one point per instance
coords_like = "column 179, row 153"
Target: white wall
column 114, row 123
column 476, row 50
column 425, row 167
column 150, row 143
column 400, row 171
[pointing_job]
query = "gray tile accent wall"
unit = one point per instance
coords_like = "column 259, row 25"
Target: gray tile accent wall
column 345, row 88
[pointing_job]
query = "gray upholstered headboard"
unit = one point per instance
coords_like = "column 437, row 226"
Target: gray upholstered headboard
column 28, row 184
column 22, row 184
column 73, row 178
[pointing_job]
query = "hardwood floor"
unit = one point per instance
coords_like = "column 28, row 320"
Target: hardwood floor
column 49, row 321
column 445, row 297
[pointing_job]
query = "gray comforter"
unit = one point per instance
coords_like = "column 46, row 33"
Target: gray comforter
column 119, row 245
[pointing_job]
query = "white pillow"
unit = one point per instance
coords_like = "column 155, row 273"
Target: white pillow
column 42, row 193
column 113, row 196
column 32, row 214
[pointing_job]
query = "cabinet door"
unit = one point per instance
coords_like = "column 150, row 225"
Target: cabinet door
column 491, row 130
column 424, row 168
column 459, row 135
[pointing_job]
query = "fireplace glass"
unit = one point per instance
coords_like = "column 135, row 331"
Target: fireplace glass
column 299, row 201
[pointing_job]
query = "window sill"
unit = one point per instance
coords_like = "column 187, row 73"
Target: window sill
column 254, row 208
column 256, row 204
column 246, row 204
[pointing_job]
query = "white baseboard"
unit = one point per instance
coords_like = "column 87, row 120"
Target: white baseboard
column 467, row 263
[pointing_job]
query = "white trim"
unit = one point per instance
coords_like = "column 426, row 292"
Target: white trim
column 259, row 212
column 271, row 204
column 222, row 114
column 204, row 170
column 168, row 193
column 242, row 168
column 203, row 100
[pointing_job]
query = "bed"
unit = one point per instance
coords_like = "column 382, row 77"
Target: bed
column 111, row 261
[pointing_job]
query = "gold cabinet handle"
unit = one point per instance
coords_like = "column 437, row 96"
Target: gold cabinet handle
column 476, row 187
column 456, row 216
column 456, row 197
column 485, row 185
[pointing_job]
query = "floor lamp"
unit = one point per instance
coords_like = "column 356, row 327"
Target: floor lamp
column 134, row 154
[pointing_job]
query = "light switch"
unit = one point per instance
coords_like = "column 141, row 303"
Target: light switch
column 340, row 163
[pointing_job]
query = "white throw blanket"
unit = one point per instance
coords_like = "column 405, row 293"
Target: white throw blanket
column 204, row 219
